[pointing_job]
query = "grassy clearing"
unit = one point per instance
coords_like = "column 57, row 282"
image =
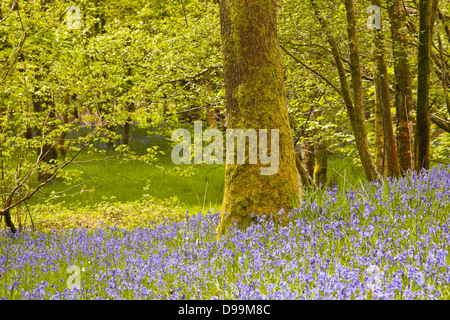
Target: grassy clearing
column 105, row 185
column 116, row 180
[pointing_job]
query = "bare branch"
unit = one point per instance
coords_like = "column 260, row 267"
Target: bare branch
column 10, row 10
column 312, row 70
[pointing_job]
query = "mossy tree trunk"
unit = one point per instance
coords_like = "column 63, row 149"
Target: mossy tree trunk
column 255, row 99
column 403, row 84
column 357, row 112
column 378, row 127
column 212, row 117
column 427, row 13
column 383, row 79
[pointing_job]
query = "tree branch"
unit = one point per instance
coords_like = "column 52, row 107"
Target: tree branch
column 441, row 123
column 312, row 70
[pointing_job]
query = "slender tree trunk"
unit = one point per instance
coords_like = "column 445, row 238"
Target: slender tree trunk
column 444, row 65
column 422, row 136
column 62, row 137
column 355, row 67
column 255, row 99
column 380, row 158
column 403, row 86
column 75, row 112
column 127, row 125
column 48, row 152
column 307, row 149
column 306, row 179
column 385, row 102
column 8, row 220
column 131, row 107
column 212, row 117
column 355, row 110
column 307, row 153
column 444, row 18
column 321, row 159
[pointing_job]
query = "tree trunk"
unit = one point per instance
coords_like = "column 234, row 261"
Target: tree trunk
column 8, row 220
column 307, row 153
column 212, row 117
column 321, row 159
column 306, row 179
column 62, row 136
column 385, row 102
column 422, row 136
column 48, row 152
column 355, row 67
column 355, row 110
column 126, row 128
column 131, row 107
column 378, row 128
column 444, row 65
column 403, row 86
column 255, row 99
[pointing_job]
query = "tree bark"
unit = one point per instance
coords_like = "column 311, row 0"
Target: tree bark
column 378, row 128
column 422, row 136
column 355, row 109
column 441, row 123
column 8, row 220
column 307, row 153
column 306, row 179
column 62, row 136
column 212, row 117
column 355, row 67
column 48, row 152
column 126, row 128
column 255, row 99
column 444, row 65
column 390, row 148
column 403, row 86
column 321, row 159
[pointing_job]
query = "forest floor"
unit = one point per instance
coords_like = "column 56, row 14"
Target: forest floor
column 148, row 231
column 385, row 240
column 105, row 191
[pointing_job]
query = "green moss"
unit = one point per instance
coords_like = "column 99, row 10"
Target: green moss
column 255, row 99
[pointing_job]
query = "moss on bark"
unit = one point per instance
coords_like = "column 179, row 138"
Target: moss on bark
column 321, row 159
column 255, row 99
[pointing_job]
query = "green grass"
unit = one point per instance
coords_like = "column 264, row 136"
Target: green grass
column 344, row 173
column 107, row 178
column 198, row 187
column 113, row 179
